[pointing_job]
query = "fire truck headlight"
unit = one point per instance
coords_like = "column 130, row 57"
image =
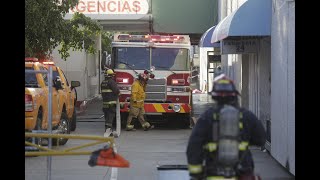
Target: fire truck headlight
column 176, row 108
column 188, row 89
column 126, row 80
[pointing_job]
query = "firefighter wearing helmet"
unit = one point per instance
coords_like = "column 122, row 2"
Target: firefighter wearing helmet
column 110, row 93
column 138, row 96
column 222, row 135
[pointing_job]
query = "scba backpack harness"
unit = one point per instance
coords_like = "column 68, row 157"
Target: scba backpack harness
column 227, row 148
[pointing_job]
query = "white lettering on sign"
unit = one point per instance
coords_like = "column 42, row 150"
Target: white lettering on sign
column 111, row 7
column 239, row 46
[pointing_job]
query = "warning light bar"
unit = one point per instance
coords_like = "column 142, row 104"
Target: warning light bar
column 184, row 39
column 48, row 63
column 31, row 59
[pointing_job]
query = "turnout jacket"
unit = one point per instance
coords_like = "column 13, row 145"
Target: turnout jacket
column 253, row 132
column 138, row 94
column 110, row 92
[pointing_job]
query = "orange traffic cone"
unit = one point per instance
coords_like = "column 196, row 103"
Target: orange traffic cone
column 107, row 157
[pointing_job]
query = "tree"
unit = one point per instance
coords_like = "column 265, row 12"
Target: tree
column 46, row 29
column 106, row 39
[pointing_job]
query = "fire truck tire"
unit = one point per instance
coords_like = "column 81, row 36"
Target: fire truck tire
column 64, row 126
column 73, row 125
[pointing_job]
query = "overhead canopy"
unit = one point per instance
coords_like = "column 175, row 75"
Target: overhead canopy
column 205, row 40
column 253, row 18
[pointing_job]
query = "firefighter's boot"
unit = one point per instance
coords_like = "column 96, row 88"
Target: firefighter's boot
column 146, row 126
column 115, row 134
column 130, row 128
column 108, row 132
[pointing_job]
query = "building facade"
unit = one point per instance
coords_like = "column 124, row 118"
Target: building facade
column 257, row 51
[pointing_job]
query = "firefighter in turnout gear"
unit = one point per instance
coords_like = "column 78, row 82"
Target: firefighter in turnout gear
column 137, row 103
column 218, row 144
column 110, row 93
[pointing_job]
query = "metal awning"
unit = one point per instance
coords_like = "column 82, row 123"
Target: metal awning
column 205, row 40
column 253, row 18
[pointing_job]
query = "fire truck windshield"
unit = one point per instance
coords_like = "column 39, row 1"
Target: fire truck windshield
column 170, row 58
column 161, row 58
column 137, row 57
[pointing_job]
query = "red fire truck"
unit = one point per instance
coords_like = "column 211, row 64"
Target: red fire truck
column 168, row 94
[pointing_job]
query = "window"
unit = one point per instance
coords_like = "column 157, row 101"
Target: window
column 30, row 79
column 44, row 75
column 134, row 57
column 65, row 77
column 170, row 58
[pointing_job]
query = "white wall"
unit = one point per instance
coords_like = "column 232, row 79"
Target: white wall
column 279, row 104
column 203, row 55
column 75, row 69
column 283, row 83
column 83, row 67
column 253, row 84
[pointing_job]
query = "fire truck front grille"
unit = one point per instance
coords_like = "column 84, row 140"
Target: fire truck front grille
column 156, row 90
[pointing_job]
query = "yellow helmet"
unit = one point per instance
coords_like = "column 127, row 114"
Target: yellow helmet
column 109, row 72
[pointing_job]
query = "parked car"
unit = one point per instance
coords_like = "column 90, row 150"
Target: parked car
column 68, row 92
column 36, row 101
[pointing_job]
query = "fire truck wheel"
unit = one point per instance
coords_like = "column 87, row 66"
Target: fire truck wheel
column 73, row 120
column 64, row 128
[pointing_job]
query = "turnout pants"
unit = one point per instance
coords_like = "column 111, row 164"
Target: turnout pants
column 109, row 115
column 136, row 113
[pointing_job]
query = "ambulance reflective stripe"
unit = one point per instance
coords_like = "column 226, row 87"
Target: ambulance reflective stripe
column 211, row 146
column 106, row 90
column 219, row 178
column 243, row 145
column 110, row 102
column 195, row 169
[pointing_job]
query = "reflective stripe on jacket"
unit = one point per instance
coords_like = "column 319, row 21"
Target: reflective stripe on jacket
column 109, row 91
